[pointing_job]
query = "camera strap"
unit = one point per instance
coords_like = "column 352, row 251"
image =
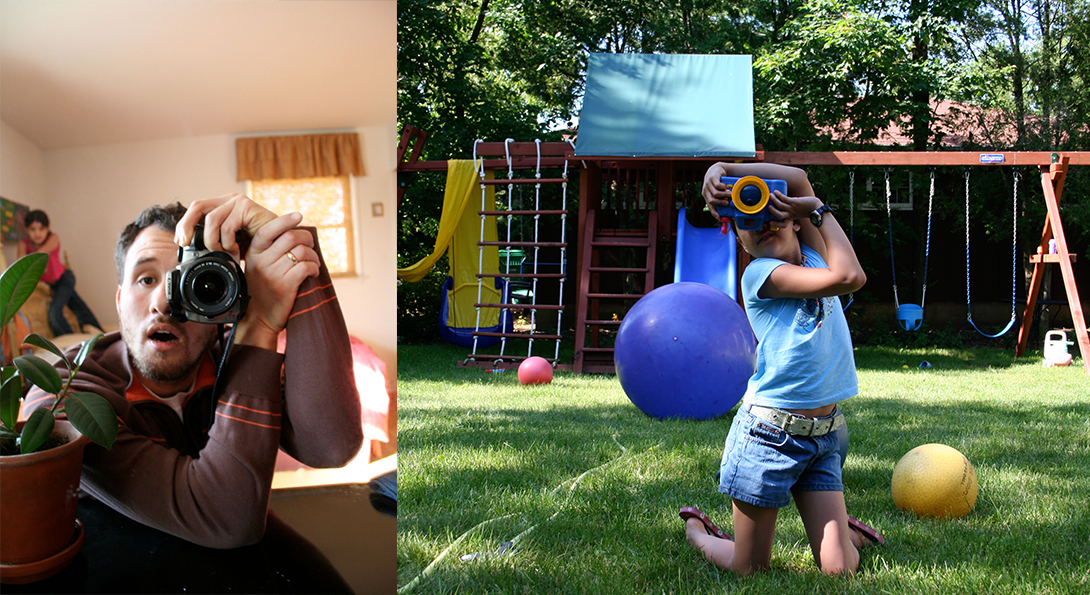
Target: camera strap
column 219, row 372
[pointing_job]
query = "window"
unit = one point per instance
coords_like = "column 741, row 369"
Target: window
column 325, row 203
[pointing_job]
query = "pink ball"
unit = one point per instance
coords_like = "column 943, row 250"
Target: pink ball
column 535, row 370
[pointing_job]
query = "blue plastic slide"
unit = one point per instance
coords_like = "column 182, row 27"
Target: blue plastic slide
column 706, row 255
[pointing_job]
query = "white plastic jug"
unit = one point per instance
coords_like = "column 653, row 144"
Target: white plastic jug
column 1056, row 345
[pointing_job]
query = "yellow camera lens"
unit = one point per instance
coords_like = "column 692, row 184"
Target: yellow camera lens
column 740, row 187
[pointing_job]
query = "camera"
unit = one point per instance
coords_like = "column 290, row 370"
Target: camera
column 749, row 201
column 207, row 286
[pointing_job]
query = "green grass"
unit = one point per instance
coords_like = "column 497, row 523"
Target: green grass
column 588, row 487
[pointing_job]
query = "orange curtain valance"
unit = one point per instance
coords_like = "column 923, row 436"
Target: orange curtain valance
column 301, row 156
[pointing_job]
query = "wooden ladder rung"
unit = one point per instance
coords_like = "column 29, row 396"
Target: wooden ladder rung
column 530, row 306
column 506, row 213
column 615, row 296
column 522, row 181
column 515, row 335
column 525, row 244
column 620, row 242
column 617, row 270
column 523, row 275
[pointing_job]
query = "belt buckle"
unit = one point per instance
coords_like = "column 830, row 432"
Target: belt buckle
column 799, row 426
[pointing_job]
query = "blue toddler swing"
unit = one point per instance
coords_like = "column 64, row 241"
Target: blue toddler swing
column 1014, row 260
column 910, row 316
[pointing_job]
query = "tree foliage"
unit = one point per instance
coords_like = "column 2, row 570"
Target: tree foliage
column 828, row 74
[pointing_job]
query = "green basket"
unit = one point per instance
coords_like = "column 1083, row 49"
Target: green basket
column 512, row 257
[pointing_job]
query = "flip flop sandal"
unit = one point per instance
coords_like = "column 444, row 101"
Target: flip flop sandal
column 691, row 512
column 867, row 532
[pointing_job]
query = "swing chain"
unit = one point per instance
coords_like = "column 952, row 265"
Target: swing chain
column 892, row 261
column 1014, row 260
column 968, row 299
column 927, row 244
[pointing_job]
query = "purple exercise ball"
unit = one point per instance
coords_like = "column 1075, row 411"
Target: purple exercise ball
column 685, row 350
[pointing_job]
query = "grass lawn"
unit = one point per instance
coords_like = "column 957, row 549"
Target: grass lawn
column 588, row 488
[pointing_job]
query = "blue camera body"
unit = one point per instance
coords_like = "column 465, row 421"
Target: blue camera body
column 749, row 201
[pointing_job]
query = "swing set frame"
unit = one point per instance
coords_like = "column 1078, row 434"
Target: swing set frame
column 1053, row 168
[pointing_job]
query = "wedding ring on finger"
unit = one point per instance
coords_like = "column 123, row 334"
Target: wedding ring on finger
column 292, row 257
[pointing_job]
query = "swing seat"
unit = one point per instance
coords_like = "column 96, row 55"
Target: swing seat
column 909, row 316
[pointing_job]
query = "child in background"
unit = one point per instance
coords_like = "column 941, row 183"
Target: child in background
column 788, row 439
column 61, row 279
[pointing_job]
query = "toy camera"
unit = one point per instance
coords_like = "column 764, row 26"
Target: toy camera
column 749, row 201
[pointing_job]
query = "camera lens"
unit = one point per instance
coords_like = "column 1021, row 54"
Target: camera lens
column 751, row 195
column 209, row 287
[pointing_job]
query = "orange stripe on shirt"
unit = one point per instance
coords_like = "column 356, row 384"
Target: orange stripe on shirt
column 45, row 396
column 248, row 409
column 314, row 307
column 310, row 291
column 247, row 422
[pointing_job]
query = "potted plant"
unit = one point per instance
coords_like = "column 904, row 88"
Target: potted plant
column 41, row 459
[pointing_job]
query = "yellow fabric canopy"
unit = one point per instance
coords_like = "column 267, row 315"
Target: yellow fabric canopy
column 460, row 230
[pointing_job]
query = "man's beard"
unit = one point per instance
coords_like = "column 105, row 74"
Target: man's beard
column 158, row 371
column 153, row 368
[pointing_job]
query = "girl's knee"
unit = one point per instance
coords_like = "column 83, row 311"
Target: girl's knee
column 843, row 563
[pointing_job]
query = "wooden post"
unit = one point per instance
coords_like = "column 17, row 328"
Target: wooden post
column 1052, row 180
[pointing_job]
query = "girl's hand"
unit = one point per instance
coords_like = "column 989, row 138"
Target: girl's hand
column 790, row 207
column 715, row 193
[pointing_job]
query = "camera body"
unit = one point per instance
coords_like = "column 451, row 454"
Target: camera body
column 207, row 286
column 749, row 200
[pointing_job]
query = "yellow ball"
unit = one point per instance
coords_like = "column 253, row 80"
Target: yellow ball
column 935, row 480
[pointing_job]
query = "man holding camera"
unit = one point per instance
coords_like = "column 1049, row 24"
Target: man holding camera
column 199, row 434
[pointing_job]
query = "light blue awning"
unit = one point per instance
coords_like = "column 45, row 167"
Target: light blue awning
column 667, row 105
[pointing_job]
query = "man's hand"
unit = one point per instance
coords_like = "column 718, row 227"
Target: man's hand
column 279, row 257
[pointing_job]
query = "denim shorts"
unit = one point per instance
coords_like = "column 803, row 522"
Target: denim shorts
column 763, row 464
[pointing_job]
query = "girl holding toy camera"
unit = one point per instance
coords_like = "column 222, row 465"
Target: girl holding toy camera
column 789, row 439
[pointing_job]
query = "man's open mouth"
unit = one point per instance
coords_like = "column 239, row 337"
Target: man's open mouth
column 164, row 334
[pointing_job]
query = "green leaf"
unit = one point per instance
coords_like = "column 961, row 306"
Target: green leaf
column 36, row 340
column 36, row 431
column 11, row 390
column 88, row 345
column 93, row 416
column 18, row 282
column 39, row 372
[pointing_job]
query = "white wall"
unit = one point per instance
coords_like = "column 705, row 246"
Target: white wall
column 91, row 193
column 22, row 173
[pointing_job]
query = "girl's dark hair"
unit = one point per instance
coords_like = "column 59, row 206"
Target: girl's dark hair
column 36, row 216
column 163, row 217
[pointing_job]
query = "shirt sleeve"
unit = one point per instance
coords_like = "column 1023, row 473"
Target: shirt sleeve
column 323, row 416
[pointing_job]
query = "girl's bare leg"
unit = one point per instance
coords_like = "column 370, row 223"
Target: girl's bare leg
column 717, row 551
column 833, row 543
column 754, row 528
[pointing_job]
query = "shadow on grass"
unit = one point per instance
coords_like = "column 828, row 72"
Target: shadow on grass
column 598, row 484
column 891, row 358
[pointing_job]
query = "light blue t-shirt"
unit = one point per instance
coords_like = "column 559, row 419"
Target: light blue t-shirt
column 804, row 350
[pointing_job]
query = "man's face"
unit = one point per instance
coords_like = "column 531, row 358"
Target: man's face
column 165, row 352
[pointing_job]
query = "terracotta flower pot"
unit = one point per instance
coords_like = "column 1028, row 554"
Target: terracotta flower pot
column 38, row 498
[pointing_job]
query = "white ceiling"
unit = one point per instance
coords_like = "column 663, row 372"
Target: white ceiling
column 90, row 72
